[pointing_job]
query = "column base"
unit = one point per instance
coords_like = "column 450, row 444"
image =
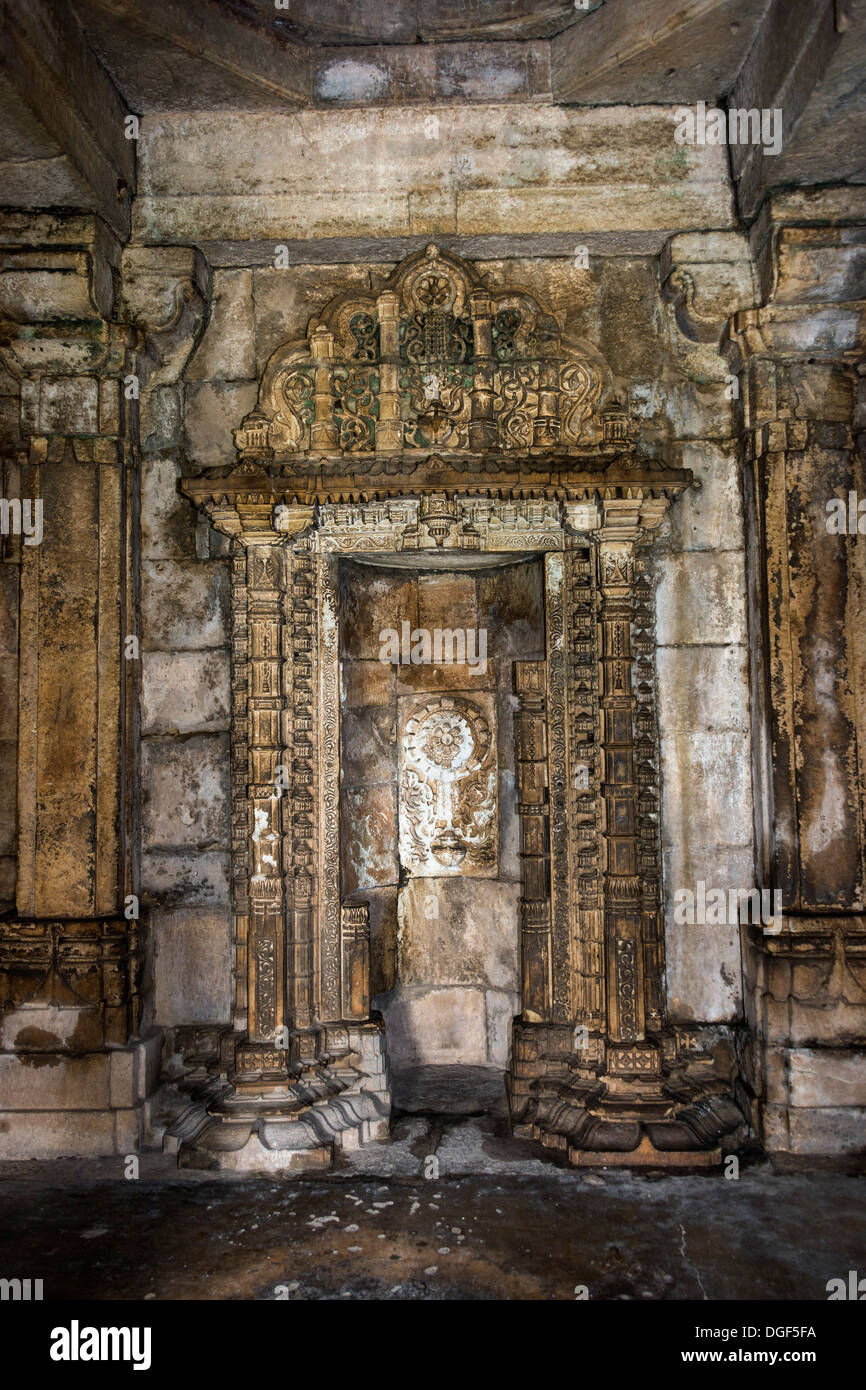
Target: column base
column 339, row 1102
column 644, row 1105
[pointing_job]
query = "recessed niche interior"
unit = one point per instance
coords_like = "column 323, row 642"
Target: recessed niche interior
column 429, row 826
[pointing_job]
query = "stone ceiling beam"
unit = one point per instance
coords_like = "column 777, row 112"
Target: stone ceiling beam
column 793, row 49
column 528, row 168
column 265, row 59
column 58, row 76
column 375, row 75
column 584, row 54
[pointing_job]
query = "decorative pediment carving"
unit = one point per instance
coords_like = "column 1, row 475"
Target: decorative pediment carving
column 436, row 359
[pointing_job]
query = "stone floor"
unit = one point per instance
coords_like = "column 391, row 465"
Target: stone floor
column 452, row 1208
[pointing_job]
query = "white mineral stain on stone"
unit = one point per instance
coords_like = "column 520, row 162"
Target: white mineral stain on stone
column 349, row 80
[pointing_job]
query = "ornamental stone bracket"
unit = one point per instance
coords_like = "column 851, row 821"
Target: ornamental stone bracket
column 442, row 424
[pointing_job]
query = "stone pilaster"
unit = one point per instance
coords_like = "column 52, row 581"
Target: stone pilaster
column 799, row 363
column 75, row 940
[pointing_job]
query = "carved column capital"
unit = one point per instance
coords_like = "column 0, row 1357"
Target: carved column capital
column 704, row 276
column 165, row 291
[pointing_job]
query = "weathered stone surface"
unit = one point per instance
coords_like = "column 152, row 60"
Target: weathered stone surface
column 454, row 71
column 168, row 522
column 383, row 938
column 434, row 1026
column 287, row 299
column 712, row 788
column 601, row 60
column 511, row 607
column 709, row 584
column 367, row 683
column 372, row 604
column 185, row 692
column 703, row 973
column 32, row 1134
column 213, row 411
column 54, row 1081
column 189, row 880
column 184, row 606
column 193, row 965
column 702, row 690
column 832, row 1078
column 501, row 1008
column 369, row 836
column 369, row 737
column 709, row 515
column 517, row 169
column 227, row 351
column 458, row 931
column 447, row 601
column 827, row 1131
column 185, row 790
column 8, row 798
column 451, row 675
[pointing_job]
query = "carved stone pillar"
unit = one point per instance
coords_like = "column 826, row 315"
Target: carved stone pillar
column 323, row 430
column 622, row 888
column 389, row 426
column 530, row 732
column 482, row 426
column 266, row 964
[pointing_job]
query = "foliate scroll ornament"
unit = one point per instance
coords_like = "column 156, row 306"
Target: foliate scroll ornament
column 293, row 390
column 436, row 405
column 435, row 358
column 356, row 406
column 580, row 388
column 515, row 405
column 448, row 803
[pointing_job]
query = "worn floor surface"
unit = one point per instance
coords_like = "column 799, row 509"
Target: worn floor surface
column 493, row 1220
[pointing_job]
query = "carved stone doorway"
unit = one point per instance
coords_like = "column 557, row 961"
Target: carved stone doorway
column 443, row 425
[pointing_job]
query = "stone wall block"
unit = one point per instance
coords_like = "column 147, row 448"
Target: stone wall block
column 185, row 692
column 192, row 966
column 226, row 351
column 185, row 786
column 712, row 585
column 168, row 520
column 185, row 606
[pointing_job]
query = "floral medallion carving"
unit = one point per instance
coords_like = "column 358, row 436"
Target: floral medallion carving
column 448, row 802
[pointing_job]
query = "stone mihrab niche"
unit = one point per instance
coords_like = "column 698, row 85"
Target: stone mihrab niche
column 441, row 423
